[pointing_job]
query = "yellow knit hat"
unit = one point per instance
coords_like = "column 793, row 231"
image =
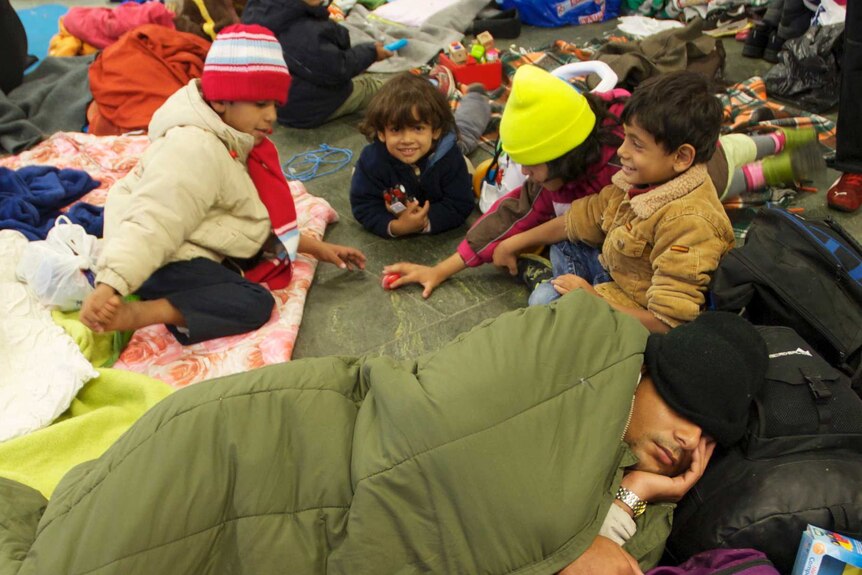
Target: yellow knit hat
column 544, row 118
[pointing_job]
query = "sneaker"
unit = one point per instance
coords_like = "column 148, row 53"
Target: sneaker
column 757, row 40
column 442, row 77
column 534, row 270
column 845, row 194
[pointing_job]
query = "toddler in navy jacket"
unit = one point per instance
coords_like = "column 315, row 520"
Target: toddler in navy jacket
column 412, row 177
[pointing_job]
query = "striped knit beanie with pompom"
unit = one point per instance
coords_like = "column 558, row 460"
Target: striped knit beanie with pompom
column 245, row 64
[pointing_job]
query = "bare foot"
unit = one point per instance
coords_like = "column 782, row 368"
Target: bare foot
column 133, row 315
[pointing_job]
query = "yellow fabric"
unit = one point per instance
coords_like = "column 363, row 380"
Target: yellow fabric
column 544, row 118
column 102, row 411
column 208, row 25
column 64, row 44
column 96, row 347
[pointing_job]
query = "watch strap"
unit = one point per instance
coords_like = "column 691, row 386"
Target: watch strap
column 631, row 499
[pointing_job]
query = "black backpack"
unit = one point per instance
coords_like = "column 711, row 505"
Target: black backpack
column 805, row 404
column 804, row 274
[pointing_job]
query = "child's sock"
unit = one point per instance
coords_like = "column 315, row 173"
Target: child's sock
column 784, row 168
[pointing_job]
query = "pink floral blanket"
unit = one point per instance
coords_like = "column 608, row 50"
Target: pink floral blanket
column 154, row 351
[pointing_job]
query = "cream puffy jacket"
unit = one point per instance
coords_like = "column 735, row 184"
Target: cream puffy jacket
column 190, row 196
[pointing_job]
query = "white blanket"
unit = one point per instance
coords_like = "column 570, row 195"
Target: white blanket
column 41, row 367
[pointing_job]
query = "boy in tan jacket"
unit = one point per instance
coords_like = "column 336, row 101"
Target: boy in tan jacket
column 649, row 242
column 208, row 189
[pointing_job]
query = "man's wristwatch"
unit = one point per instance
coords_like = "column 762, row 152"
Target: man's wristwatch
column 635, row 503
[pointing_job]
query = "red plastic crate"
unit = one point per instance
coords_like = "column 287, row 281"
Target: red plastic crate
column 489, row 74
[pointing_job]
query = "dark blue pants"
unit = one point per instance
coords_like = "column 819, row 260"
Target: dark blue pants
column 214, row 300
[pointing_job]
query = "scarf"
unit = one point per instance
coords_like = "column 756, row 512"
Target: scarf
column 274, row 191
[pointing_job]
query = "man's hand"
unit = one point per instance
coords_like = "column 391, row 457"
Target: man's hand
column 570, row 282
column 603, row 557
column 506, row 255
column 428, row 277
column 344, row 257
column 654, row 488
column 412, row 220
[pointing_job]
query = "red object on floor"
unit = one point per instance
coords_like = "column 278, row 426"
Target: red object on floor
column 386, row 283
column 846, row 193
column 489, row 74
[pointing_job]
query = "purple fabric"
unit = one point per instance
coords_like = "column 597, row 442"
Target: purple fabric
column 747, row 561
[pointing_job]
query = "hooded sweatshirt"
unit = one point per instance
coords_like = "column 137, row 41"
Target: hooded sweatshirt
column 318, row 54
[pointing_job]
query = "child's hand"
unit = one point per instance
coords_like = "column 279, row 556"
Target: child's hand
column 382, row 53
column 344, row 257
column 506, row 255
column 569, row 282
column 100, row 308
column 429, row 278
column 412, row 220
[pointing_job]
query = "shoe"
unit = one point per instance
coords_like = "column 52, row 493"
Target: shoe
column 845, row 194
column 726, row 22
column 757, row 40
column 534, row 270
column 773, row 47
column 442, row 77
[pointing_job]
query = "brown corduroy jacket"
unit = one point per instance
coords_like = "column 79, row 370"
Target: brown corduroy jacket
column 660, row 247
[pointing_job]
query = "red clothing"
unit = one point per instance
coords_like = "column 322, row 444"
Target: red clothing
column 134, row 76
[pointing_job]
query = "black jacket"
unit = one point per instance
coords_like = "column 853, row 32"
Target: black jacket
column 443, row 181
column 318, row 55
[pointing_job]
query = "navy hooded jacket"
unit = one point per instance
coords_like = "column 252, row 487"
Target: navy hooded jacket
column 318, row 55
column 443, row 180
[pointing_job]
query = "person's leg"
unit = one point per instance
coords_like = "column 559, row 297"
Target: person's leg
column 365, row 86
column 213, row 300
column 471, row 117
column 13, row 48
column 799, row 160
column 846, row 193
column 570, row 258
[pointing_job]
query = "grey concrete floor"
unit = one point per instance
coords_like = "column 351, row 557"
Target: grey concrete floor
column 349, row 313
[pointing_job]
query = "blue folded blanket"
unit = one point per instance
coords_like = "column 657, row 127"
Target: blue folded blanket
column 31, row 199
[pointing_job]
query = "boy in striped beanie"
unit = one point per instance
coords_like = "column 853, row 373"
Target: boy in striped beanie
column 209, row 191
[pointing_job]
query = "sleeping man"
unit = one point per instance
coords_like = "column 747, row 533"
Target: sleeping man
column 550, row 439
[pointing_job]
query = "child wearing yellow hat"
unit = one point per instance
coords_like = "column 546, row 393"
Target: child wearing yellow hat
column 565, row 142
column 649, row 242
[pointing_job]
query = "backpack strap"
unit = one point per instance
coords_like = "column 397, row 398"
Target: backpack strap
column 822, row 398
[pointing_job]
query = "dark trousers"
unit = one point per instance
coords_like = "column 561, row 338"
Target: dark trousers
column 13, row 48
column 214, row 300
column 848, row 155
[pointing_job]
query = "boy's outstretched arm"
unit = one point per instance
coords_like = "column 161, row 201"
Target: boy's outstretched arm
column 344, row 257
column 429, row 277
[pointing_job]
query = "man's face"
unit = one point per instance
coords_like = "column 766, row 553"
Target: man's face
column 662, row 439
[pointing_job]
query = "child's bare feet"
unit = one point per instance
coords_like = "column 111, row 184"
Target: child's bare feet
column 104, row 310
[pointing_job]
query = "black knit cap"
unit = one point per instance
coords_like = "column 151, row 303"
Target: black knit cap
column 709, row 370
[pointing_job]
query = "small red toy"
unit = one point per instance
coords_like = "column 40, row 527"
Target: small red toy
column 386, row 283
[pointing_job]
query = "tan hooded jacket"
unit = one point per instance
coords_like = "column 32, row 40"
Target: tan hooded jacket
column 660, row 247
